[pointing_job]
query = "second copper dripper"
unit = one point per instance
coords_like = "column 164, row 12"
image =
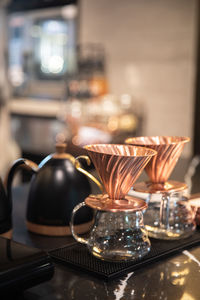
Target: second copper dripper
column 159, row 169
column 168, row 216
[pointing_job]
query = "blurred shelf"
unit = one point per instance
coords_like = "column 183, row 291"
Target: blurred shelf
column 35, row 107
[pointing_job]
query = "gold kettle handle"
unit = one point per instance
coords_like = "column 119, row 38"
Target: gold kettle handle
column 80, row 169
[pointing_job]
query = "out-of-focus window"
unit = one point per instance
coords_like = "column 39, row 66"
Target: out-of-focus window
column 42, row 51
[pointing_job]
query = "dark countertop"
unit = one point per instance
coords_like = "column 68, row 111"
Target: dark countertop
column 174, row 278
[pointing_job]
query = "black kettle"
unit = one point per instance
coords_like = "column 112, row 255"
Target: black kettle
column 57, row 185
column 5, row 212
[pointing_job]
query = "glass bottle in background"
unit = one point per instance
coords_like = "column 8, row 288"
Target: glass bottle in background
column 98, row 82
column 90, row 79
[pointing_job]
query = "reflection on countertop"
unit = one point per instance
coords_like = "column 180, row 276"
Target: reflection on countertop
column 175, row 278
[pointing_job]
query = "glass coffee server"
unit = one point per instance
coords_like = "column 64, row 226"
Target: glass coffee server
column 169, row 215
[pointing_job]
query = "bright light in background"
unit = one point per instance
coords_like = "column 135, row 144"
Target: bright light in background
column 53, row 65
column 69, row 11
column 52, row 46
column 90, row 135
column 187, row 296
column 126, row 100
column 16, row 75
column 53, row 26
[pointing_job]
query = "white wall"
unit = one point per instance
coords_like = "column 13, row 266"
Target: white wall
column 150, row 46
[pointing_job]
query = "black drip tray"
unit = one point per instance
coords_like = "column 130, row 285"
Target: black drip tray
column 77, row 255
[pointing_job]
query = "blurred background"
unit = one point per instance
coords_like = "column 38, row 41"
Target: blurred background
column 92, row 71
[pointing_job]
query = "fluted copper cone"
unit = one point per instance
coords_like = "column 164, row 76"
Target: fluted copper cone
column 169, row 149
column 118, row 166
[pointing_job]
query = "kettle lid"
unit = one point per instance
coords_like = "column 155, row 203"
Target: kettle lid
column 59, row 154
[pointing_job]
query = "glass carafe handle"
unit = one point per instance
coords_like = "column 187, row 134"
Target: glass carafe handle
column 165, row 211
column 75, row 236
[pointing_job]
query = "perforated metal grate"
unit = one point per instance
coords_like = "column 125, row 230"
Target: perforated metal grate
column 77, row 255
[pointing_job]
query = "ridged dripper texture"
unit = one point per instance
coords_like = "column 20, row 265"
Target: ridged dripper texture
column 168, row 149
column 118, row 166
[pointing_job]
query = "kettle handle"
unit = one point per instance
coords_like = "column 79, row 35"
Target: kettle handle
column 80, row 169
column 18, row 164
column 71, row 223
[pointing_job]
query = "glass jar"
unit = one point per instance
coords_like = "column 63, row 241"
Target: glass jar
column 169, row 215
column 115, row 236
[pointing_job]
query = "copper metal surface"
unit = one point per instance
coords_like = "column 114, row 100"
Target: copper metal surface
column 103, row 202
column 118, row 166
column 157, row 188
column 169, row 149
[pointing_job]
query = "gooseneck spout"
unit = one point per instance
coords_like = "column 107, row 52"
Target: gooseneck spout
column 20, row 163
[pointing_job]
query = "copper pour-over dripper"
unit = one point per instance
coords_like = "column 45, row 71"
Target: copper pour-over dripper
column 169, row 149
column 118, row 167
column 118, row 233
